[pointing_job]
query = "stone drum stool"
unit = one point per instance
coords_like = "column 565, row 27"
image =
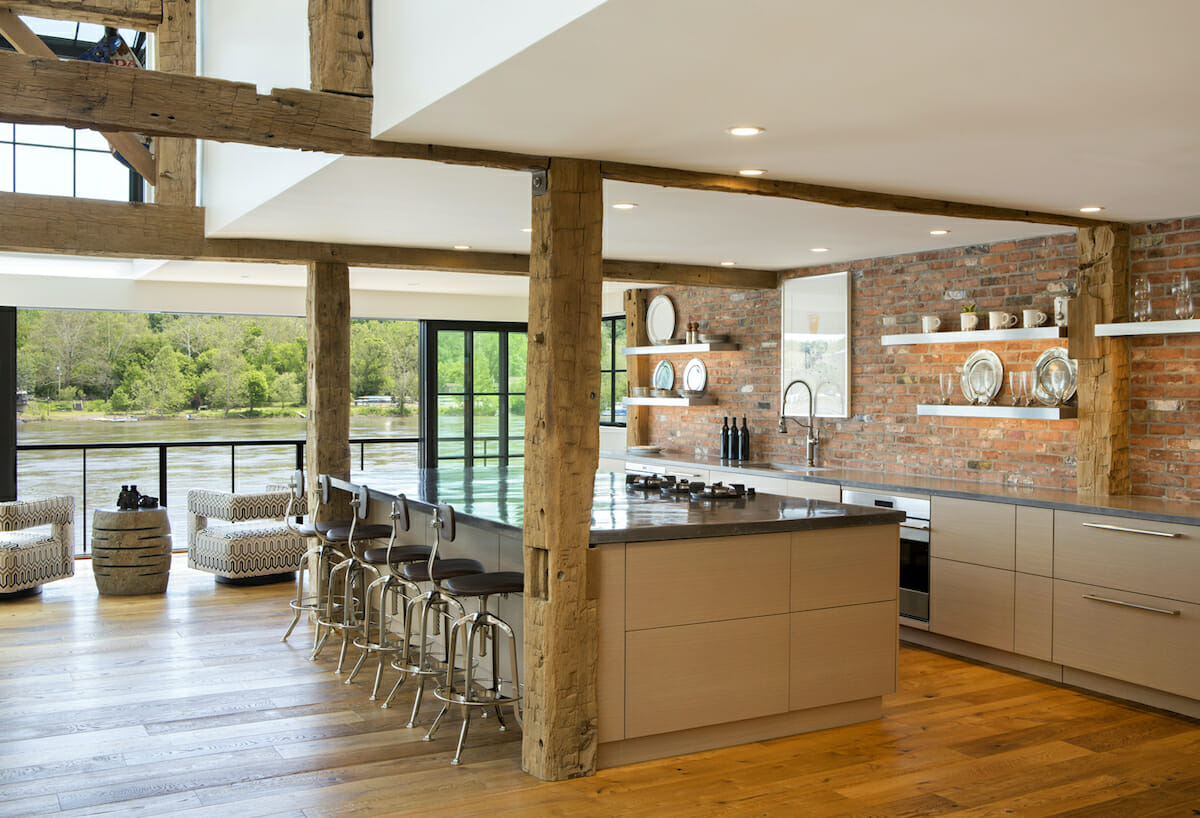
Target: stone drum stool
column 131, row 551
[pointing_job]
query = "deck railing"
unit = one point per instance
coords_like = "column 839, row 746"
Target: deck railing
column 266, row 468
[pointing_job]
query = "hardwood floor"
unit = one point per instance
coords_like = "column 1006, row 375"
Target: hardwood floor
column 188, row 704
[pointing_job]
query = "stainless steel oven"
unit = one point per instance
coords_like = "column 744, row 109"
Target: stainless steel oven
column 914, row 547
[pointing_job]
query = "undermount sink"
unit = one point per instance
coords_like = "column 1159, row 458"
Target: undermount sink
column 791, row 468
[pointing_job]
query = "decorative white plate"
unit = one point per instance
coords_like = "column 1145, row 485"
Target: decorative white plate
column 982, row 375
column 660, row 319
column 1054, row 374
column 695, row 376
column 664, row 376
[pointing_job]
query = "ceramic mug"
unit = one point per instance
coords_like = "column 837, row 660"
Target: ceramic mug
column 968, row 320
column 1061, row 305
column 930, row 323
column 1033, row 318
column 1001, row 320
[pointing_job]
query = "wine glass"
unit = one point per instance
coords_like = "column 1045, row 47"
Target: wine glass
column 947, row 384
column 1016, row 387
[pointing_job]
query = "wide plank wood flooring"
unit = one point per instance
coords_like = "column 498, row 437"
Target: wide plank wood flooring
column 187, row 704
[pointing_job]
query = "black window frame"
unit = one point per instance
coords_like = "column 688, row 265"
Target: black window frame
column 428, row 456
column 609, row 370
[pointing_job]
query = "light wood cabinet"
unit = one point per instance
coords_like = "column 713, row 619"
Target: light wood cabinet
column 1035, row 541
column 765, row 485
column 844, row 566
column 1033, row 615
column 842, row 654
column 972, row 602
column 983, row 533
column 1147, row 640
column 830, row 492
column 1158, row 559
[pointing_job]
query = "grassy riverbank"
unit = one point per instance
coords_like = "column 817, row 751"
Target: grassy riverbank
column 100, row 410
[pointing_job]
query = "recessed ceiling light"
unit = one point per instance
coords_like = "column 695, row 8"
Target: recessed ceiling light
column 752, row 172
column 624, row 205
column 526, row 229
column 746, row 130
column 820, row 249
column 939, row 232
column 728, row 263
column 462, row 247
column 244, row 275
column 1091, row 209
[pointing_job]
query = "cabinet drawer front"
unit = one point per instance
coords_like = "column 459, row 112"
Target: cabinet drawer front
column 971, row 602
column 695, row 675
column 1035, row 541
column 973, row 531
column 679, row 582
column 1133, row 637
column 843, row 654
column 845, row 566
column 765, row 485
column 815, row 491
column 1144, row 563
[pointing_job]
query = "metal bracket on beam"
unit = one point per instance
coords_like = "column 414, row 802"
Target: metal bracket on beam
column 540, row 183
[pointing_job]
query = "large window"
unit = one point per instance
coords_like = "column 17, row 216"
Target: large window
column 473, row 393
column 56, row 161
column 612, row 371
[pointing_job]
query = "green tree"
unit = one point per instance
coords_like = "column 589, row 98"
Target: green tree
column 254, row 386
column 286, row 389
column 164, row 387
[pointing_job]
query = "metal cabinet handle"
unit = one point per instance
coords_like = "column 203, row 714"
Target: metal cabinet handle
column 1108, row 527
column 1166, row 611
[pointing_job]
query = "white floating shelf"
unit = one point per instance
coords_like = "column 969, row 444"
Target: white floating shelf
column 667, row 349
column 978, row 336
column 964, row 410
column 705, row 400
column 1150, row 327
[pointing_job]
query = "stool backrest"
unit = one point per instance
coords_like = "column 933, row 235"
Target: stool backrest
column 400, row 522
column 443, row 526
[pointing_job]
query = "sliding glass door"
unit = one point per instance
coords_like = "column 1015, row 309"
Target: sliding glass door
column 473, row 393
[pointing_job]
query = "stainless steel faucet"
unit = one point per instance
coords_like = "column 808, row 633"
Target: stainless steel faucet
column 814, row 439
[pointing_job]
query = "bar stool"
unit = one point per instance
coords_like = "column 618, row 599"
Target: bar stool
column 387, row 596
column 433, row 602
column 479, row 628
column 319, row 561
column 347, row 618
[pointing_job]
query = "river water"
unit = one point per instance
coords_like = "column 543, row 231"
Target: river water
column 252, row 467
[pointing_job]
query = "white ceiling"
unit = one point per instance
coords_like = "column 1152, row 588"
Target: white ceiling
column 1023, row 103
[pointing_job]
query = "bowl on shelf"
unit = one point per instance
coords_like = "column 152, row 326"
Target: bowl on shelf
column 675, row 341
column 663, row 393
column 709, row 338
column 691, row 393
column 641, row 391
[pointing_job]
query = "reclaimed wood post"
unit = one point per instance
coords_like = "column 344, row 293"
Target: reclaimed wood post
column 562, row 448
column 327, row 311
column 175, row 53
column 1102, row 455
column 339, row 46
column 637, row 418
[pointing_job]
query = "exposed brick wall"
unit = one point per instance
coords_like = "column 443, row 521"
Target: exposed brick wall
column 888, row 297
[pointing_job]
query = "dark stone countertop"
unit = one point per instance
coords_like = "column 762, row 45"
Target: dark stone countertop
column 493, row 497
column 1142, row 508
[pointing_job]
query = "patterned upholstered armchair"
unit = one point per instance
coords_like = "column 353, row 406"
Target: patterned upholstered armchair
column 35, row 555
column 253, row 543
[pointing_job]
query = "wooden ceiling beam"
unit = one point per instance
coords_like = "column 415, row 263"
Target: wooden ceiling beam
column 26, row 41
column 139, row 15
column 339, row 46
column 836, row 196
column 58, row 225
column 90, row 95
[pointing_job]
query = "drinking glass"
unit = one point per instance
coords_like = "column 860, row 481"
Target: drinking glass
column 1141, row 298
column 947, row 382
column 1184, row 306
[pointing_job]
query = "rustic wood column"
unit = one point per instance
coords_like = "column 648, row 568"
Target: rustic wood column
column 637, row 418
column 327, row 311
column 175, row 53
column 1102, row 454
column 562, row 449
column 339, row 46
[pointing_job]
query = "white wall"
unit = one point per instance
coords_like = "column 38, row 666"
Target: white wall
column 424, row 50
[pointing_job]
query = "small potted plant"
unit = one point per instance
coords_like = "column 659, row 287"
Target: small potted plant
column 969, row 319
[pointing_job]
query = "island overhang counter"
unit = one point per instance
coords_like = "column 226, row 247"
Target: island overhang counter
column 720, row 621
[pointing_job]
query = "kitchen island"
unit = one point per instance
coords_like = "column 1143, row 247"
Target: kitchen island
column 721, row 621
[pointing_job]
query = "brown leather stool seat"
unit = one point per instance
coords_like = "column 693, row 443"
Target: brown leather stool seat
column 442, row 570
column 396, row 553
column 495, row 582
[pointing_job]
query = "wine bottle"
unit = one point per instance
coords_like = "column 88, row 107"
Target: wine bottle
column 744, row 441
column 725, row 439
